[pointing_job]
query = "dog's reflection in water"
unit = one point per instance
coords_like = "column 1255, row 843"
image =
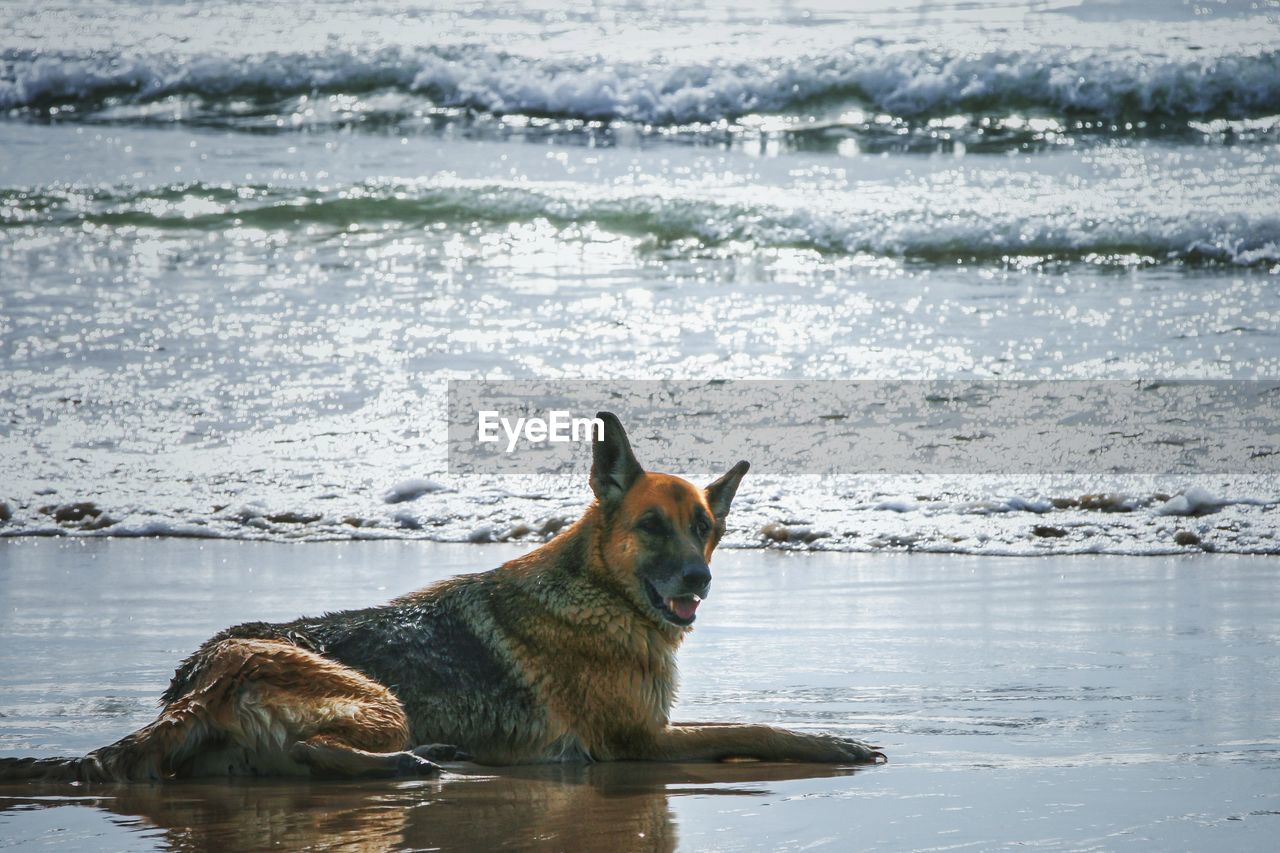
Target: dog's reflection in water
column 612, row 807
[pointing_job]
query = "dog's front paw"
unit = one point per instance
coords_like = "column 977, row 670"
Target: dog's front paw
column 844, row 750
column 441, row 752
column 409, row 764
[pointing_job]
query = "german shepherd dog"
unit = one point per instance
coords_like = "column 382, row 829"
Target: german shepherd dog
column 564, row 654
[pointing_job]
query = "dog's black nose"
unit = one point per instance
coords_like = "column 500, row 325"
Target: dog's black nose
column 697, row 577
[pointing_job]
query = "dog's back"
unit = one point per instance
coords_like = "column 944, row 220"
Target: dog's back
column 439, row 651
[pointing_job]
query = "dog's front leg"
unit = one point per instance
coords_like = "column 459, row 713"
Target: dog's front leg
column 720, row 741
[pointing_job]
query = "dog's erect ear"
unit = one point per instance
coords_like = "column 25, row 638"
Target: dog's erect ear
column 720, row 493
column 614, row 468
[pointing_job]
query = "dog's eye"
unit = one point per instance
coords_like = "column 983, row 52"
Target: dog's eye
column 652, row 524
column 701, row 527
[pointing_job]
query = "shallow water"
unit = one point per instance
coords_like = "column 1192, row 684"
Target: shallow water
column 1062, row 702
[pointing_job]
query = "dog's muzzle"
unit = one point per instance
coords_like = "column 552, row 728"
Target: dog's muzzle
column 679, row 599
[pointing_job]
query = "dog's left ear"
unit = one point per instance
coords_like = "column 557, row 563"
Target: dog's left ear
column 720, row 493
column 614, row 468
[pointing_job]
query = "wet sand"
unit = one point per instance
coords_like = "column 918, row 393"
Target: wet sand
column 1060, row 702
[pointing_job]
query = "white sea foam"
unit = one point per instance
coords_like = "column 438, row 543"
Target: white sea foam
column 948, row 218
column 905, row 79
column 411, row 490
column 1018, row 503
column 1196, row 500
column 897, row 505
column 960, row 517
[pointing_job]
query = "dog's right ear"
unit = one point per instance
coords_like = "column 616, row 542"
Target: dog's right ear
column 614, row 468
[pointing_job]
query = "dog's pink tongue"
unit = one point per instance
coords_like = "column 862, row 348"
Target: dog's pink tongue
column 683, row 607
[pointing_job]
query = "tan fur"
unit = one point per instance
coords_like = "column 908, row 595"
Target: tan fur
column 264, row 707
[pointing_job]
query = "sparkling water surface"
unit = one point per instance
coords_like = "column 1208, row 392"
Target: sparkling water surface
column 243, row 247
column 1091, row 702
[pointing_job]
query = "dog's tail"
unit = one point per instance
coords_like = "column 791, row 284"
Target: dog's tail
column 133, row 759
column 42, row 770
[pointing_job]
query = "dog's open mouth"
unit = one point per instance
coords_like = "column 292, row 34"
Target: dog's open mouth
column 678, row 610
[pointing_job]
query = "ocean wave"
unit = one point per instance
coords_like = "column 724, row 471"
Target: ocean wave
column 903, row 79
column 921, row 223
